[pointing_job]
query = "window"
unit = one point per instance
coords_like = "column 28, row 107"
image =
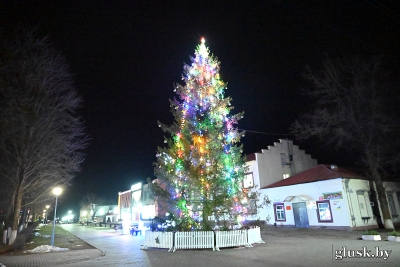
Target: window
column 283, row 159
column 280, row 212
column 286, row 175
column 252, row 206
column 248, row 180
column 324, row 211
column 362, row 204
column 391, row 205
column 398, row 199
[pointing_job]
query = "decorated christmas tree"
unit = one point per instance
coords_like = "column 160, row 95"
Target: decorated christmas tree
column 202, row 168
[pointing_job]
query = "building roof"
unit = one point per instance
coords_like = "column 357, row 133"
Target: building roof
column 318, row 173
column 251, row 157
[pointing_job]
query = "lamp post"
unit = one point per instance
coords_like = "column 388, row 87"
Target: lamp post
column 56, row 191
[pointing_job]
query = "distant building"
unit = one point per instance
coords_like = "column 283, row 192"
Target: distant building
column 136, row 206
column 103, row 213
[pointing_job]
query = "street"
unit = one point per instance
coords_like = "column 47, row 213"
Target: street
column 298, row 250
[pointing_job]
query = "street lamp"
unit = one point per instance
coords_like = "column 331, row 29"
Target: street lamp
column 56, row 191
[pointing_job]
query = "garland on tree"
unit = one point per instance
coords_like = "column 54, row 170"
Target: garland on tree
column 200, row 172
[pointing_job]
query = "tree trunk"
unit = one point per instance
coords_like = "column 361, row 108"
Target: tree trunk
column 375, row 208
column 22, row 221
column 380, row 190
column 17, row 207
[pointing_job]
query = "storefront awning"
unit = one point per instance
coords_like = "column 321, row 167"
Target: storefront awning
column 298, row 198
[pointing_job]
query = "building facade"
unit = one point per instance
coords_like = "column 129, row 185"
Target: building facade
column 278, row 162
column 327, row 197
column 136, row 206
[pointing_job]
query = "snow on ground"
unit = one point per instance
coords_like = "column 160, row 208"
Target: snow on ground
column 38, row 234
column 46, row 248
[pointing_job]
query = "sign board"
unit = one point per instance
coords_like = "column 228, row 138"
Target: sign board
column 333, row 195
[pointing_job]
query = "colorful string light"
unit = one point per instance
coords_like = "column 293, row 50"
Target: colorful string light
column 202, row 163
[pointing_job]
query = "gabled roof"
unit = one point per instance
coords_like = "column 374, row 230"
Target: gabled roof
column 318, row 173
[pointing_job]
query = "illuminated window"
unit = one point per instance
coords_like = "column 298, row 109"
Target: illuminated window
column 248, row 180
column 279, row 212
column 324, row 211
column 286, row 175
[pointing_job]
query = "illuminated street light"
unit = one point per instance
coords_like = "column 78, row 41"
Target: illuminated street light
column 56, row 191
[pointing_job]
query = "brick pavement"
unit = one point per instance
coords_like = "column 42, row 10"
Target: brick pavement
column 283, row 247
column 50, row 258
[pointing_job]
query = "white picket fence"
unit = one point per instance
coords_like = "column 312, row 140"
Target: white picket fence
column 233, row 238
column 254, row 236
column 202, row 239
column 194, row 240
column 158, row 240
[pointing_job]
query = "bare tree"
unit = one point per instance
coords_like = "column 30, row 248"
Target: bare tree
column 354, row 110
column 41, row 135
column 93, row 202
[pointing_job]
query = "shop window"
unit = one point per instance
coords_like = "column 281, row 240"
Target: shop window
column 279, row 212
column 248, row 180
column 324, row 211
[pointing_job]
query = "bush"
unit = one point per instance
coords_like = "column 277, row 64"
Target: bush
column 251, row 224
column 394, row 233
column 371, row 232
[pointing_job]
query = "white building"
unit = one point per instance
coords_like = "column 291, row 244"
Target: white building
column 328, row 197
column 103, row 213
column 278, row 162
column 299, row 191
column 136, row 206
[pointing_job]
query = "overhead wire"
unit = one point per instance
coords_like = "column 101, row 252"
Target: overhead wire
column 249, row 131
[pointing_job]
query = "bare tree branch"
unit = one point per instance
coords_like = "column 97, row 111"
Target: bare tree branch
column 353, row 111
column 42, row 137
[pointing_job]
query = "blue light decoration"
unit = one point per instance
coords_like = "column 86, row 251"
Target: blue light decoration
column 202, row 159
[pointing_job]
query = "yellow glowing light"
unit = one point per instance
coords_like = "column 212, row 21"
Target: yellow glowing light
column 57, row 191
column 203, row 51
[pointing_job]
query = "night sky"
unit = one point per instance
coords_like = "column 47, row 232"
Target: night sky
column 126, row 55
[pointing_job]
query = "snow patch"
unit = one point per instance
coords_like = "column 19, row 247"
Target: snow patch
column 38, row 234
column 46, row 248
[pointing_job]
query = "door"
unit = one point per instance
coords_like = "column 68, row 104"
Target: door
column 300, row 214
